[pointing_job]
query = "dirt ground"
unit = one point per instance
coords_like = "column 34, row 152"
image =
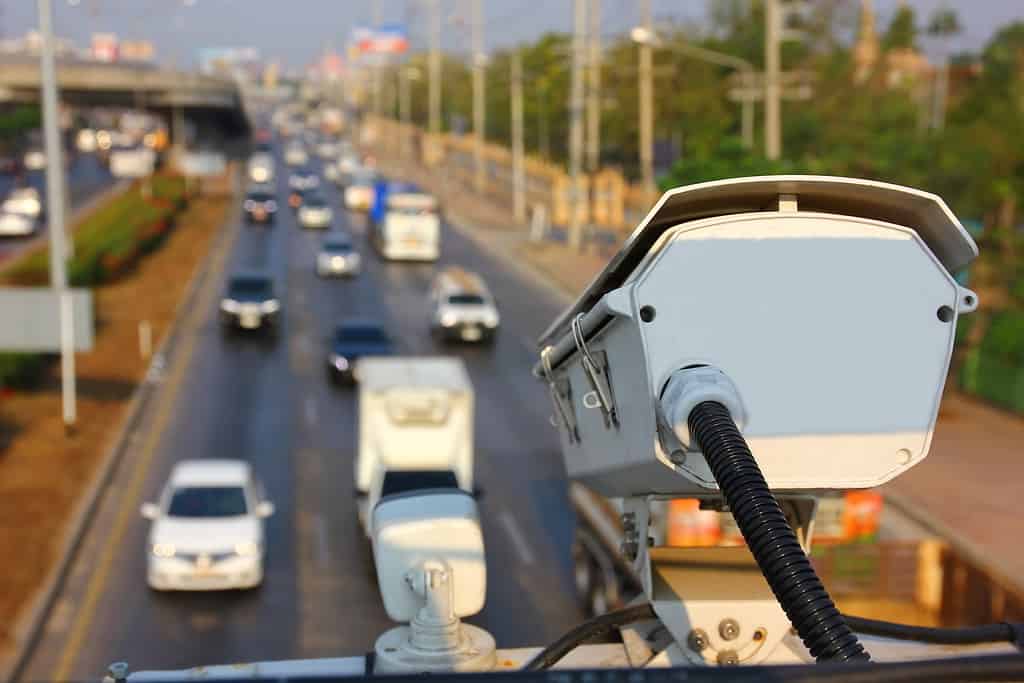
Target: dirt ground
column 42, row 471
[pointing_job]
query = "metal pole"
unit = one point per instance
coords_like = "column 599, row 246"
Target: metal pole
column 376, row 63
column 518, row 178
column 478, row 96
column 748, row 111
column 772, row 94
column 594, row 87
column 940, row 90
column 435, row 67
column 55, row 208
column 403, row 109
column 646, row 101
column 576, row 122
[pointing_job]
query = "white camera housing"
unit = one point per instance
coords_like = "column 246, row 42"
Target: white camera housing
column 439, row 524
column 429, row 551
column 830, row 305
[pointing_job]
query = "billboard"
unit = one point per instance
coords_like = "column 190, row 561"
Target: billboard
column 137, row 51
column 32, row 321
column 104, row 47
column 388, row 39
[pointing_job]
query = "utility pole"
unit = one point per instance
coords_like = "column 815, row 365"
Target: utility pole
column 518, row 177
column 376, row 63
column 646, row 101
column 478, row 95
column 772, row 87
column 434, row 95
column 55, row 209
column 576, row 122
column 403, row 109
column 594, row 87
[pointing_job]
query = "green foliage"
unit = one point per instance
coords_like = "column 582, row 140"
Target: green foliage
column 902, row 32
column 16, row 122
column 729, row 160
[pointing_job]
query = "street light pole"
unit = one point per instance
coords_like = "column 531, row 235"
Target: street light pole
column 404, row 74
column 594, row 87
column 646, row 101
column 576, row 123
column 55, row 210
column 376, row 63
column 518, row 177
column 434, row 95
column 772, row 87
column 478, row 95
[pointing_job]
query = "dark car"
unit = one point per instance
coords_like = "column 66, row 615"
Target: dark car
column 249, row 303
column 259, row 206
column 352, row 340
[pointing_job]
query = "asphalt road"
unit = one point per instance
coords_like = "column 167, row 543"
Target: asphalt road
column 269, row 403
column 86, row 176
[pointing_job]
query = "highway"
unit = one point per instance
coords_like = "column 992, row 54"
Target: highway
column 87, row 176
column 268, row 401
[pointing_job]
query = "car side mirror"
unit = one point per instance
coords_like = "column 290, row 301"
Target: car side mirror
column 150, row 510
column 478, row 493
column 264, row 509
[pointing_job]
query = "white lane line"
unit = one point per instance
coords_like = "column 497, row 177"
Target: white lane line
column 522, row 548
column 311, row 412
column 323, row 553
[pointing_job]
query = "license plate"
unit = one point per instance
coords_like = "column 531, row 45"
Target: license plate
column 471, row 333
column 250, row 320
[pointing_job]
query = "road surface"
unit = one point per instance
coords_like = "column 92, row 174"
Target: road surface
column 269, row 403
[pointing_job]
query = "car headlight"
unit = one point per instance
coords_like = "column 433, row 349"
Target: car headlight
column 163, row 550
column 248, row 205
column 229, row 306
column 339, row 362
column 247, row 549
column 270, row 205
column 490, row 319
column 449, row 319
column 271, row 306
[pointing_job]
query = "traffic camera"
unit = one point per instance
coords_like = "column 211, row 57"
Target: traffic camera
column 754, row 341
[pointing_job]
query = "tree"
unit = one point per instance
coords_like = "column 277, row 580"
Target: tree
column 902, row 31
column 944, row 23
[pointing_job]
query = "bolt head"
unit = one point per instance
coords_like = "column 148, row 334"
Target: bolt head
column 729, row 629
column 698, row 640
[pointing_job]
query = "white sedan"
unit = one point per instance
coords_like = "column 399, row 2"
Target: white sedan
column 24, row 201
column 207, row 531
column 16, row 224
column 314, row 213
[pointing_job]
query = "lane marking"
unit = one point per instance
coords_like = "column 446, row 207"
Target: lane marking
column 129, row 503
column 522, row 548
column 311, row 412
column 323, row 553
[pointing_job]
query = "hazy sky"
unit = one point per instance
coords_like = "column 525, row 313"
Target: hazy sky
column 297, row 30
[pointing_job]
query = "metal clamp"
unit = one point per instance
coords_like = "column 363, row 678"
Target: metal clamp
column 561, row 396
column 597, row 375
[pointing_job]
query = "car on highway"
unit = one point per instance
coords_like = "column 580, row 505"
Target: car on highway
column 85, row 141
column 259, row 206
column 405, row 224
column 360, row 190
column 462, row 308
column 295, row 154
column 347, row 166
column 331, row 172
column 354, row 339
column 16, row 224
column 249, row 302
column 327, row 149
column 303, row 179
column 207, row 531
column 337, row 256
column 315, row 212
column 34, row 160
column 23, row 201
column 261, row 168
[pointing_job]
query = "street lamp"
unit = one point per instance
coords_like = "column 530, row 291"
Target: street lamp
column 641, row 35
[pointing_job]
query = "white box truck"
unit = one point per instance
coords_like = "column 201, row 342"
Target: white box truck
column 415, row 428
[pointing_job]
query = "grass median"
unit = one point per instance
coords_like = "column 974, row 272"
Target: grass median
column 43, row 473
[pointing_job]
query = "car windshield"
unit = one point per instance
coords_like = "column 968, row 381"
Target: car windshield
column 466, row 300
column 337, row 247
column 207, row 501
column 249, row 287
column 315, row 202
column 260, row 197
column 362, row 334
column 363, row 178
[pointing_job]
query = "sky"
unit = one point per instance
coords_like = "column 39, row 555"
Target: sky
column 296, row 31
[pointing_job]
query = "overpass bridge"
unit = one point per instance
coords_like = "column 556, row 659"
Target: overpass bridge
column 206, row 101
